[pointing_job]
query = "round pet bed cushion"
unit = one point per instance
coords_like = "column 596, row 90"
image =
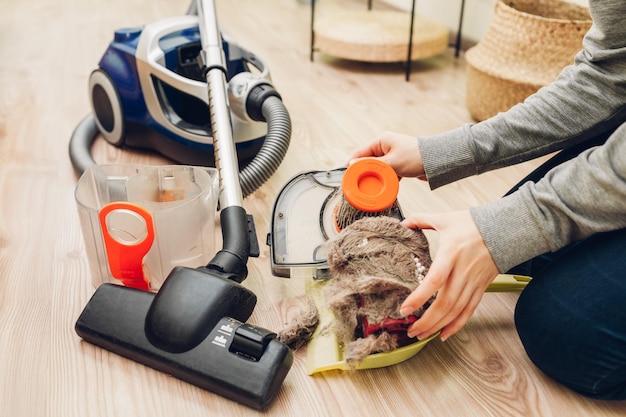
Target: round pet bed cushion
column 379, row 36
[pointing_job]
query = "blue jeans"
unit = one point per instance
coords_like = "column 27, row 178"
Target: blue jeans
column 571, row 318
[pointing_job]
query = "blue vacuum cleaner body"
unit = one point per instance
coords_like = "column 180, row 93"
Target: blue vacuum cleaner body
column 149, row 92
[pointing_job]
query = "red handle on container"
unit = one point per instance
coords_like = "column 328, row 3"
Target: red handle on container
column 126, row 246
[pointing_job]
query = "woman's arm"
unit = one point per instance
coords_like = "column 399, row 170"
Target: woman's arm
column 576, row 199
column 587, row 99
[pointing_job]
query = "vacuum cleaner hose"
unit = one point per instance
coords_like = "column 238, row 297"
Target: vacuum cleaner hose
column 271, row 154
column 80, row 144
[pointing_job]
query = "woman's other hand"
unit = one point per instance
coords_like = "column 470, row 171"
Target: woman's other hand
column 460, row 273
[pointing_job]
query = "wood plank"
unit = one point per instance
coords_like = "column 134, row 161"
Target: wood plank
column 47, row 50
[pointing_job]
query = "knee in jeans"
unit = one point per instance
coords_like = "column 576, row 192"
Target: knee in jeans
column 553, row 345
column 535, row 332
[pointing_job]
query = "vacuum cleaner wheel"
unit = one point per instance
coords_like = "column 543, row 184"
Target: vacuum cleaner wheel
column 107, row 107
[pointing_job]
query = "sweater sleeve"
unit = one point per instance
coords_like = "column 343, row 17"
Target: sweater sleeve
column 578, row 198
column 587, row 99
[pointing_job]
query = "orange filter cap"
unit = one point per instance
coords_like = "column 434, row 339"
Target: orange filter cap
column 370, row 185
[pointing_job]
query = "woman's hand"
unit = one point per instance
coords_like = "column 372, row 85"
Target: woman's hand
column 399, row 151
column 460, row 273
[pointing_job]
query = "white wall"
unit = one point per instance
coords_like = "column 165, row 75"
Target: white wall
column 477, row 16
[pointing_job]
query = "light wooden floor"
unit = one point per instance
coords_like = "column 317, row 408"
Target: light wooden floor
column 47, row 50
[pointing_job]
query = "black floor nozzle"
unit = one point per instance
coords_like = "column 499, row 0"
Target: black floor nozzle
column 236, row 360
column 190, row 303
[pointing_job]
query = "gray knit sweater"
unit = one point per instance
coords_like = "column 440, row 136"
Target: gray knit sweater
column 581, row 197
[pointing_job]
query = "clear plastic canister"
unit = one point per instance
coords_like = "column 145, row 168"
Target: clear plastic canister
column 182, row 201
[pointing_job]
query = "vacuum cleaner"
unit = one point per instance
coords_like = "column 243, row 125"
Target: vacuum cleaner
column 172, row 82
column 150, row 93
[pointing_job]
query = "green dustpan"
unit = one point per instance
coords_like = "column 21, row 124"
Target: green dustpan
column 324, row 352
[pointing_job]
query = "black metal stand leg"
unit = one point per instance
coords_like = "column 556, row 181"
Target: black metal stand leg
column 457, row 47
column 410, row 51
column 312, row 29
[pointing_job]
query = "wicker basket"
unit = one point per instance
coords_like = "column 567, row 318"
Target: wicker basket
column 526, row 46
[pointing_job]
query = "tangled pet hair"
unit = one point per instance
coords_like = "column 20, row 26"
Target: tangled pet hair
column 375, row 263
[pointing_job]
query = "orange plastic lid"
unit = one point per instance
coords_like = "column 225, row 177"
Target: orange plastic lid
column 370, row 185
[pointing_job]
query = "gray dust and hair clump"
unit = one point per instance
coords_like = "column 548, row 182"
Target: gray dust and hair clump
column 375, row 263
